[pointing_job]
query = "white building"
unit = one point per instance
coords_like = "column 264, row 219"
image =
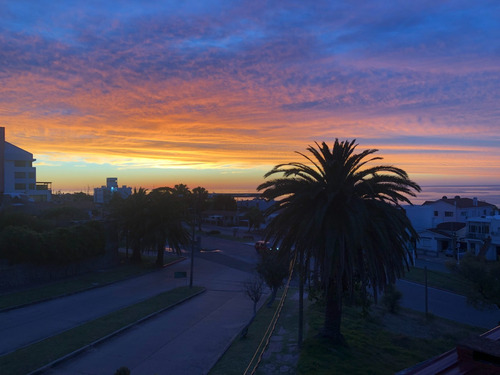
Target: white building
column 103, row 194
column 17, row 174
column 441, row 224
column 483, row 236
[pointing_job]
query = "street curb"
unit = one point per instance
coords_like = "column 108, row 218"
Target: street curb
column 111, row 335
column 90, row 288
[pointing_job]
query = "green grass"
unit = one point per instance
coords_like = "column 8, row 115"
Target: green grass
column 37, row 355
column 239, row 355
column 442, row 280
column 79, row 283
column 382, row 344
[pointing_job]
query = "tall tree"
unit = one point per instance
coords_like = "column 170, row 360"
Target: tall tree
column 133, row 215
column 164, row 222
column 345, row 215
column 200, row 203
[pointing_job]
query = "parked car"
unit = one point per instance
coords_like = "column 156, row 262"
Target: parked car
column 263, row 245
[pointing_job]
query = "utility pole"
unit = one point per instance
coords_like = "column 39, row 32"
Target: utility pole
column 192, row 254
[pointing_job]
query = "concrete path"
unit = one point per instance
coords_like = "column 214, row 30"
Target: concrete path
column 188, row 339
column 447, row 305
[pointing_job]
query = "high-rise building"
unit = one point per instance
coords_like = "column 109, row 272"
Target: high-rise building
column 18, row 175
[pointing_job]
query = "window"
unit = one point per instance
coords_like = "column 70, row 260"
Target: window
column 448, row 213
column 436, row 213
column 19, row 163
column 20, row 186
column 31, row 186
column 31, row 175
column 463, row 213
column 19, row 175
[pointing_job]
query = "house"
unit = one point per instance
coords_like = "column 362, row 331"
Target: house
column 221, row 218
column 483, row 236
column 441, row 224
column 103, row 194
column 18, row 175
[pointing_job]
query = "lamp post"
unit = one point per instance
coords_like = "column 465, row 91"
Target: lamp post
column 192, row 250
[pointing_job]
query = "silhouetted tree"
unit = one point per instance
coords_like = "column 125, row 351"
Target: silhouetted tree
column 255, row 218
column 343, row 214
column 200, row 203
column 273, row 270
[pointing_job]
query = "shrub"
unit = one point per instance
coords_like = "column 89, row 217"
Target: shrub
column 391, row 298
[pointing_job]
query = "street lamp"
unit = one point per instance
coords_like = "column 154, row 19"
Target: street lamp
column 192, row 249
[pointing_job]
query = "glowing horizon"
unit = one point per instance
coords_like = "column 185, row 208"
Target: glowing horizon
column 216, row 94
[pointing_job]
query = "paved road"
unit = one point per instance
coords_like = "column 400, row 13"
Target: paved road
column 24, row 326
column 188, row 339
column 447, row 305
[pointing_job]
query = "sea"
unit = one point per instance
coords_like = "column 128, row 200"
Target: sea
column 486, row 193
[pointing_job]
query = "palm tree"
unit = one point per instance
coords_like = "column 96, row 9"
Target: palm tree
column 343, row 215
column 200, row 203
column 164, row 223
column 131, row 214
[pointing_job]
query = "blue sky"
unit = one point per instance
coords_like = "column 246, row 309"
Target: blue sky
column 216, row 93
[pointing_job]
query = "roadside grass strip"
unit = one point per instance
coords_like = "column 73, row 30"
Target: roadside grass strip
column 440, row 280
column 77, row 284
column 239, row 354
column 46, row 353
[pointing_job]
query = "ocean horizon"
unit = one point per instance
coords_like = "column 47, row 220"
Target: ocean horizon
column 486, row 193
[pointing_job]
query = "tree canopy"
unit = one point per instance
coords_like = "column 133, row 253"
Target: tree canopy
column 345, row 215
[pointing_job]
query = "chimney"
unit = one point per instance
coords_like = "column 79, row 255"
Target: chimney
column 474, row 201
column 2, row 160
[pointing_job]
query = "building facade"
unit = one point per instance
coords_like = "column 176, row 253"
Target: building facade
column 483, row 236
column 103, row 194
column 442, row 224
column 18, row 175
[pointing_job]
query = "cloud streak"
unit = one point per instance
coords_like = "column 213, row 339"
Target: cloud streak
column 239, row 85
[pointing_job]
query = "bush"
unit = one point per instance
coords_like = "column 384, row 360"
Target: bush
column 58, row 246
column 391, row 298
column 123, row 371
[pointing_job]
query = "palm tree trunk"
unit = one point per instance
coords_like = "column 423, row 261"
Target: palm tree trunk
column 333, row 314
column 159, row 256
column 301, row 307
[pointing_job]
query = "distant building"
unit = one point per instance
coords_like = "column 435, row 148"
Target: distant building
column 103, row 194
column 17, row 174
column 441, row 224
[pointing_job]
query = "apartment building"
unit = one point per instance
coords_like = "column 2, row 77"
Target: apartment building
column 18, row 175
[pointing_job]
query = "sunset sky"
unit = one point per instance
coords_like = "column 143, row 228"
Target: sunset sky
column 215, row 93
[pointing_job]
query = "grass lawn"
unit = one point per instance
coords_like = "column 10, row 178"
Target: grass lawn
column 381, row 344
column 79, row 283
column 34, row 356
column 442, row 280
